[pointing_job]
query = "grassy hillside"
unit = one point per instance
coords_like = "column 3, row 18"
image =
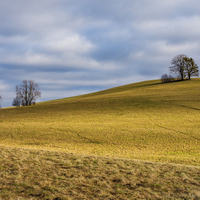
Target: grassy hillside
column 146, row 120
column 36, row 174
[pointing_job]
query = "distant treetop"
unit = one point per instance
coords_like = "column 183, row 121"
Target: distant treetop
column 182, row 67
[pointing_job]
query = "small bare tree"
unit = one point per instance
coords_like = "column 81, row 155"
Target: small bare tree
column 16, row 101
column 171, row 78
column 27, row 92
column 178, row 66
column 166, row 79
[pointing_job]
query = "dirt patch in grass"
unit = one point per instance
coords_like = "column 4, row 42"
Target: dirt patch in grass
column 34, row 174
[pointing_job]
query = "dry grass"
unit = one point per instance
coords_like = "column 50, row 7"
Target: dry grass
column 38, row 174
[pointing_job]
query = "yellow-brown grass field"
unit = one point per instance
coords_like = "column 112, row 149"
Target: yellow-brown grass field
column 141, row 121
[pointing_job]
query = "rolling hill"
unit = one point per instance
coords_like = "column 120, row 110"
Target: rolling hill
column 94, row 146
column 147, row 120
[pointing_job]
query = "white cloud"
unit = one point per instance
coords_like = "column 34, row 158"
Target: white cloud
column 83, row 45
column 73, row 43
column 4, row 86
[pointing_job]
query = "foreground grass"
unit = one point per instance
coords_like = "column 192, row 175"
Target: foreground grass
column 37, row 174
column 146, row 120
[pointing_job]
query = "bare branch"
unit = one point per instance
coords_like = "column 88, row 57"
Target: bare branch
column 178, row 66
column 28, row 92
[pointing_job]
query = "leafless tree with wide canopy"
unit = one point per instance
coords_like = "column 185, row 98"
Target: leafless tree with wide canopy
column 26, row 93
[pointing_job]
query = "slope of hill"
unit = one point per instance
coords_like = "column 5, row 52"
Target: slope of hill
column 37, row 174
column 146, row 120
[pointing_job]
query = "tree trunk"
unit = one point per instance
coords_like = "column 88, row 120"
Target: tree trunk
column 182, row 77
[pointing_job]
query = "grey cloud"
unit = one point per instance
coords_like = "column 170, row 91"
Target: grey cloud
column 75, row 46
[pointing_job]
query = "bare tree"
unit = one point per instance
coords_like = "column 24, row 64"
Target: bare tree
column 27, row 92
column 166, row 79
column 178, row 66
column 191, row 67
column 171, row 78
column 16, row 101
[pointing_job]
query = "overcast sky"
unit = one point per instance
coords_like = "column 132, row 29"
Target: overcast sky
column 73, row 47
